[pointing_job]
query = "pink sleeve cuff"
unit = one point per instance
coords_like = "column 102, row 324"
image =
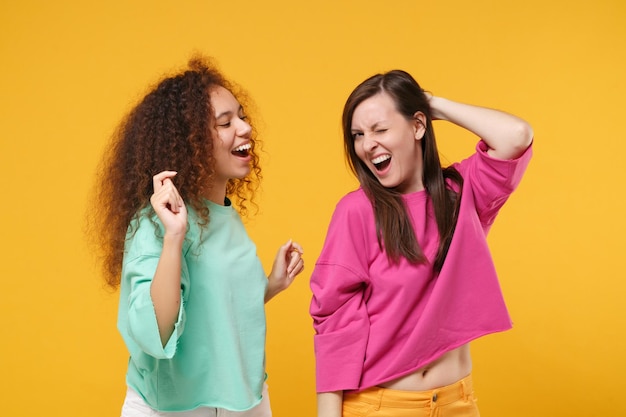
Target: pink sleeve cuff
column 340, row 356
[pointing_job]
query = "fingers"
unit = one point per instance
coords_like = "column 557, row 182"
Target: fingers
column 287, row 265
column 165, row 193
column 296, row 262
column 168, row 204
column 291, row 247
column 296, row 247
column 295, row 267
column 157, row 180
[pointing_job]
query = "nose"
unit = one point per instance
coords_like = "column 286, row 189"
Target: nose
column 369, row 143
column 243, row 129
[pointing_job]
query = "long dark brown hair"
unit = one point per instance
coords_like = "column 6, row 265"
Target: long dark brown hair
column 169, row 129
column 393, row 224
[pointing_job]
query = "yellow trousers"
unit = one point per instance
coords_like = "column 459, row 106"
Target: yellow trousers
column 455, row 400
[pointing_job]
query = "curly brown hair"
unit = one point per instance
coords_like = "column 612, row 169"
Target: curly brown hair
column 169, row 129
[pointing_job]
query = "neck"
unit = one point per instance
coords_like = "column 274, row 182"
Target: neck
column 217, row 194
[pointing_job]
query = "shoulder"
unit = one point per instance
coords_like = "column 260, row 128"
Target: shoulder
column 351, row 231
column 353, row 217
column 354, row 202
column 143, row 222
column 144, row 234
column 353, row 211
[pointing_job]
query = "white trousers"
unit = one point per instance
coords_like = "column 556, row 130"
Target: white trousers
column 135, row 406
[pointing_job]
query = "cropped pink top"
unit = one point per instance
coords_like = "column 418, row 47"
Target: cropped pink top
column 376, row 321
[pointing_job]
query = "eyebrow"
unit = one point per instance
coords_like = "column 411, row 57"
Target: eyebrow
column 372, row 127
column 228, row 113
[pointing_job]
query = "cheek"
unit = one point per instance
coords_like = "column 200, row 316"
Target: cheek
column 219, row 142
column 359, row 151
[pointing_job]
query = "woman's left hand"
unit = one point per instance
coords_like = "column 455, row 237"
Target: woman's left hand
column 287, row 265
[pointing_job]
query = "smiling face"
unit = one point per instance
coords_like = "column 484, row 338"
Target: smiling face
column 231, row 138
column 388, row 143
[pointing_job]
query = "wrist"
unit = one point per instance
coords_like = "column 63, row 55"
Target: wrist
column 437, row 108
column 270, row 291
column 173, row 239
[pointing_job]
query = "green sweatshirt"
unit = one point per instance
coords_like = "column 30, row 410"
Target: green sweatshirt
column 216, row 354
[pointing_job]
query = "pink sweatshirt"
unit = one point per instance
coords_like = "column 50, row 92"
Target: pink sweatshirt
column 375, row 321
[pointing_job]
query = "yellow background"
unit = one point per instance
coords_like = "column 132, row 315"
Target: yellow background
column 69, row 70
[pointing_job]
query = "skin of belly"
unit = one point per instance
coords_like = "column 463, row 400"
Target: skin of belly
column 445, row 370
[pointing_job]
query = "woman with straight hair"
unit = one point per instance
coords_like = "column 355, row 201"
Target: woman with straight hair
column 405, row 280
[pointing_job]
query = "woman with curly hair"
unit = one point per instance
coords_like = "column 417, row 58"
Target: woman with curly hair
column 192, row 289
column 405, row 280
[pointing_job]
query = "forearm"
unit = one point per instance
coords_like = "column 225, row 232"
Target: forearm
column 270, row 291
column 507, row 135
column 329, row 404
column 165, row 287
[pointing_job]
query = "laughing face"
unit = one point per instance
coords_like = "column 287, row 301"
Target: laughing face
column 232, row 137
column 388, row 143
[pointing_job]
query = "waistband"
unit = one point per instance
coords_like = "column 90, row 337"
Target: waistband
column 385, row 397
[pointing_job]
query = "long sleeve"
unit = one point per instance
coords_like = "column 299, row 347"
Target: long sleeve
column 136, row 311
column 142, row 321
column 338, row 307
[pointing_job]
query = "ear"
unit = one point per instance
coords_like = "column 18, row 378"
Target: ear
column 419, row 119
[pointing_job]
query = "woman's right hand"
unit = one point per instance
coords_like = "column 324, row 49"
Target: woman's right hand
column 433, row 102
column 168, row 204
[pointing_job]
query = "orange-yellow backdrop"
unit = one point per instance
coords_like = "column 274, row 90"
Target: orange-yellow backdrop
column 70, row 69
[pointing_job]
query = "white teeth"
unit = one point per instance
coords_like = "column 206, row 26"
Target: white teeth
column 380, row 159
column 241, row 148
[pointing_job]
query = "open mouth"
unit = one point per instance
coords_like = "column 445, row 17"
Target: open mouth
column 381, row 162
column 242, row 151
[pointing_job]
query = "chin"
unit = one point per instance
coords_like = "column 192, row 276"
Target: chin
column 388, row 183
column 242, row 174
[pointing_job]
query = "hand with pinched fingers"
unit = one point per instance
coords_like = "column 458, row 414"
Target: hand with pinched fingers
column 287, row 265
column 168, row 204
